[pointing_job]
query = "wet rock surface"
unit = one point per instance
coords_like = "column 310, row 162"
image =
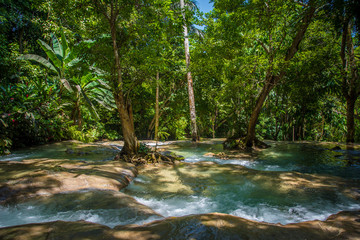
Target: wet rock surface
column 186, row 178
column 344, row 225
column 105, row 207
column 36, row 177
column 80, row 183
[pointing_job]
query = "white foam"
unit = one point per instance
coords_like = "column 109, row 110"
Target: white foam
column 109, row 217
column 175, row 207
column 14, row 157
column 285, row 215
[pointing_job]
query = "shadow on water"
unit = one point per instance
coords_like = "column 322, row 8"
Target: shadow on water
column 310, row 158
column 106, row 207
column 70, row 150
column 207, row 226
column 302, row 157
column 259, row 195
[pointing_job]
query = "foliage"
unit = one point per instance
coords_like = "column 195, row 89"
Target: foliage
column 74, row 96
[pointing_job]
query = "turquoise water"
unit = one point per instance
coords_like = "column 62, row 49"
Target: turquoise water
column 289, row 182
column 71, row 150
column 284, row 156
column 90, row 205
column 254, row 193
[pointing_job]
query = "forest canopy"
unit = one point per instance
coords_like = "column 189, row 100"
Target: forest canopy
column 115, row 69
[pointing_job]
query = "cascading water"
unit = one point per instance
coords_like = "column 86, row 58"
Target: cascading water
column 263, row 188
column 253, row 193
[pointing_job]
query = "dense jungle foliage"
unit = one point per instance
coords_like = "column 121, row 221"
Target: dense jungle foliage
column 78, row 69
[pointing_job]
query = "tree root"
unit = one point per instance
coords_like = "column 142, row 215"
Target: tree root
column 240, row 144
column 149, row 158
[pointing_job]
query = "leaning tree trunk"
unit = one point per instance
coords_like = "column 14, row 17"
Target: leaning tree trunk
column 250, row 137
column 194, row 134
column 271, row 79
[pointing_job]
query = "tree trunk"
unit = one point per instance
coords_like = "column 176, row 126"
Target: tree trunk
column 250, row 137
column 293, row 133
column 271, row 79
column 157, row 109
column 350, row 79
column 110, row 10
column 194, row 134
column 131, row 144
column 79, row 117
column 350, row 105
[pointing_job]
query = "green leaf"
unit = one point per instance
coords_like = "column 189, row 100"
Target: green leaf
column 66, row 84
column 103, row 83
column 38, row 59
column 50, row 53
column 5, row 125
column 65, row 46
column 86, row 79
column 89, row 103
column 58, row 49
column 73, row 62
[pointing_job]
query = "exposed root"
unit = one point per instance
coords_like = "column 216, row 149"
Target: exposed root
column 240, row 144
column 150, row 158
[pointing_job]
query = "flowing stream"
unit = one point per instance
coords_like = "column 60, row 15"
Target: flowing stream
column 256, row 192
column 289, row 182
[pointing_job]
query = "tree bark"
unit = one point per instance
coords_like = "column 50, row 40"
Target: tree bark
column 194, row 134
column 131, row 144
column 350, row 79
column 269, row 84
column 271, row 79
column 350, row 125
column 157, row 109
column 152, row 123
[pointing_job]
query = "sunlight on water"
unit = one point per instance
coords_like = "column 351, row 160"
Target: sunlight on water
column 282, row 156
column 71, row 150
column 273, row 197
column 103, row 207
column 263, row 187
column 110, row 217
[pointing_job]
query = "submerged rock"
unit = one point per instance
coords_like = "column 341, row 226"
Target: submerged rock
column 204, row 178
column 95, row 199
column 344, row 225
column 105, row 207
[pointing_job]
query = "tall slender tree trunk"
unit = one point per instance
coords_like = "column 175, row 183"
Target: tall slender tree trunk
column 350, row 123
column 271, row 79
column 194, row 134
column 157, row 108
column 350, row 80
column 131, row 144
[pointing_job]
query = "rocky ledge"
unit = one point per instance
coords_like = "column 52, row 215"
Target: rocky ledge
column 38, row 177
column 344, row 225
